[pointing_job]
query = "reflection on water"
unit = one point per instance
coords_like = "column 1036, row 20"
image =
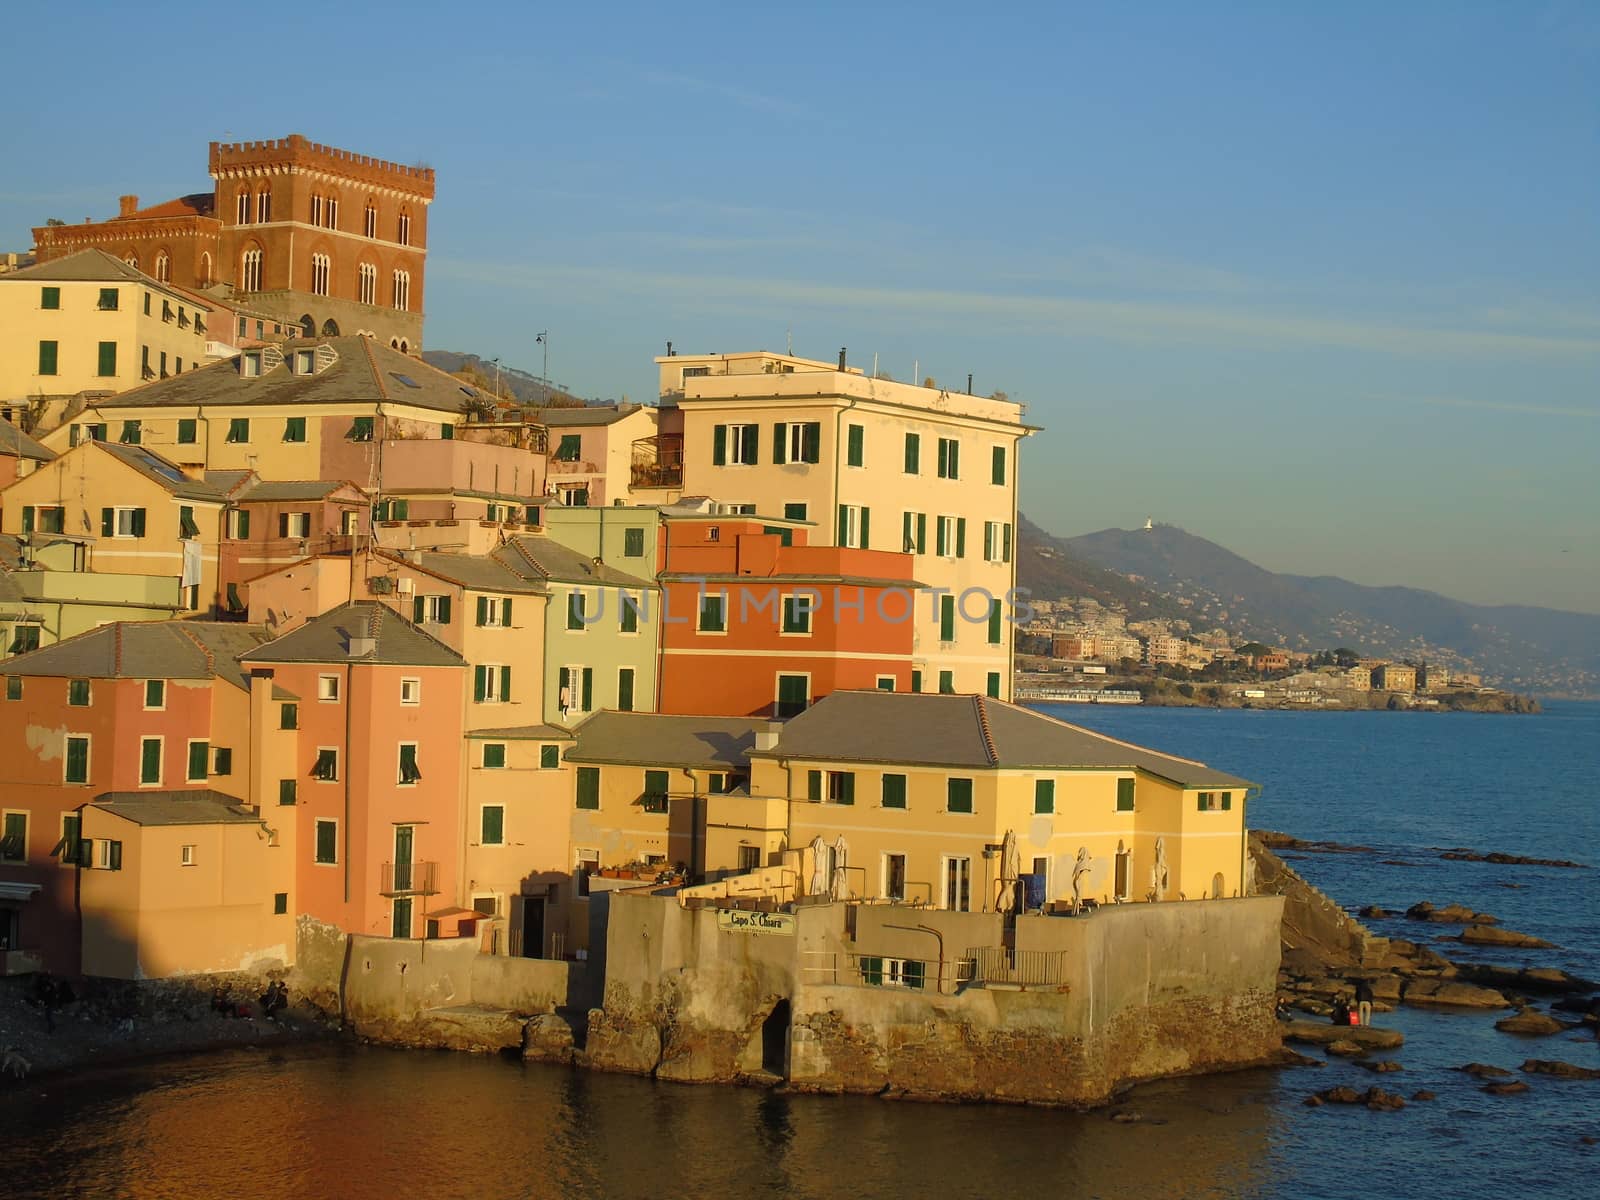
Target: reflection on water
column 368, row 1124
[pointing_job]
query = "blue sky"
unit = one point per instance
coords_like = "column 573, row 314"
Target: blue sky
column 1319, row 283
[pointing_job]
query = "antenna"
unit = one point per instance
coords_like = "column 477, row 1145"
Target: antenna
column 874, row 364
column 788, row 341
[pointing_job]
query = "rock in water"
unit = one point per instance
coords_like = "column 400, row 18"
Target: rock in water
column 1450, row 914
column 1489, row 935
column 1340, row 1095
column 1484, row 1071
column 1373, row 913
column 1383, row 1066
column 1377, row 1098
column 1562, row 1070
column 1346, row 1049
column 1514, row 1088
column 1424, row 1094
column 1530, row 1024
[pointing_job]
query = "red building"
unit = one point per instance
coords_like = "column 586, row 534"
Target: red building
column 330, row 240
column 129, row 707
column 757, row 623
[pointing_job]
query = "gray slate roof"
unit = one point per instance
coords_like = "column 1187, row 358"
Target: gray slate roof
column 202, row 806
column 588, row 415
column 145, row 650
column 523, row 733
column 660, row 740
column 479, row 572
column 91, row 266
column 16, row 444
column 366, row 371
column 292, row 489
column 152, row 466
column 969, row 731
column 538, row 555
column 326, row 639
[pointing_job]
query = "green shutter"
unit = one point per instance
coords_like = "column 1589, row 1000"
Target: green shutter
column 138, row 522
column 625, row 689
column 588, row 689
column 1005, row 542
column 855, row 445
column 866, row 528
column 912, row 973
column 1227, row 801
column 627, row 613
column 844, row 517
column 494, row 824
column 811, row 442
column 947, row 683
column 655, row 783
column 505, row 611
column 505, row 685
column 589, row 787
column 872, row 971
column 494, row 755
column 959, row 795
column 49, row 297
column 108, row 522
column 913, row 454
column 480, row 683
column 483, row 610
column 961, row 537
column 894, row 791
column 997, row 471
column 750, row 445
column 199, row 756
column 916, row 681
column 549, row 757
column 47, row 358
column 633, row 543
column 944, row 458
column 947, row 618
column 108, row 358
column 994, row 622
column 286, row 791
column 418, row 607
column 575, row 610
column 922, row 533
column 224, row 761
column 1044, row 795
column 992, row 685
column 150, row 761
column 847, row 787
column 780, row 444
column 77, row 760
column 244, row 524
column 814, row 785
column 27, row 517
column 719, row 445
column 1124, row 795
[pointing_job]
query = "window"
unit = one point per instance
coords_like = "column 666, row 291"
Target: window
column 163, row 268
column 893, row 972
column 187, row 528
column 1044, row 795
column 349, row 522
column 957, row 894
column 328, row 687
column 1124, row 795
column 913, row 460
column 263, row 206
column 250, row 270
column 316, row 209
column 294, row 524
column 409, row 772
column 403, row 229
column 77, row 759
column 402, row 290
column 49, row 297
column 713, row 613
column 587, row 864
column 108, row 362
column 327, row 841
column 294, row 429
column 894, row 877
column 624, row 689
column 250, row 365
column 242, row 209
column 360, row 430
column 854, row 526
column 13, row 687
column 494, row 613
column 794, row 694
column 107, row 853
column 411, row 691
column 122, row 522
column 997, row 541
column 549, row 757
column 319, row 274
column 23, row 639
column 735, row 445
column 186, row 854
column 570, row 448
column 958, row 796
column 947, row 618
column 796, row 511
column 111, row 299
column 797, row 613
column 950, row 537
column 239, row 429
column 239, row 524
column 288, row 790
column 47, row 358
column 996, row 623
column 588, row 787
column 78, row 693
column 367, row 283
column 333, row 212
column 949, row 458
column 855, row 445
column 70, row 848
column 633, row 543
column 14, row 837
column 991, row 685
column 577, row 610
column 326, row 768
column 894, row 791
column 914, row 533
column 155, row 694
column 369, row 221
column 947, row 683
column 797, row 442
column 997, row 466
column 492, row 825
column 430, row 610
column 494, row 756
column 280, row 903
column 491, row 683
column 627, row 612
column 44, row 518
column 654, row 797
column 884, row 683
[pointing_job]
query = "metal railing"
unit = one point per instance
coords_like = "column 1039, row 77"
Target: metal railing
column 409, row 879
column 1017, row 968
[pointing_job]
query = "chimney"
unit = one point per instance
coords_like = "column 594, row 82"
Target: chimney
column 767, row 735
column 669, row 349
column 841, row 357
column 127, row 205
column 360, row 647
column 969, row 383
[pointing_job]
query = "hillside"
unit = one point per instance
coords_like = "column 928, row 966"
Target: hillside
column 1520, row 647
column 525, row 388
column 1047, row 568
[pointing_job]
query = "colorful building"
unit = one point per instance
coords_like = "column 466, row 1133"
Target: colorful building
column 19, row 454
column 47, row 595
column 593, row 452
column 1394, row 677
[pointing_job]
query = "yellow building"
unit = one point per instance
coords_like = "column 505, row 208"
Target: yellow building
column 47, row 595
column 593, row 450
column 126, row 510
column 874, row 464
column 1394, row 677
column 90, row 323
column 197, row 883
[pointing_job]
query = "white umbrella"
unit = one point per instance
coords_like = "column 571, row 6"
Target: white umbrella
column 1158, row 873
column 819, row 866
column 1010, row 869
column 1079, row 870
column 841, row 855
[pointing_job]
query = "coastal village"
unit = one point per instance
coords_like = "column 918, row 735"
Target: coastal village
column 685, row 734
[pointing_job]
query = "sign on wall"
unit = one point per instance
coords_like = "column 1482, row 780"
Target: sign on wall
column 734, row 920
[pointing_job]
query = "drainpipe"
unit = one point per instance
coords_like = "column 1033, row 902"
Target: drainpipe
column 695, row 808
column 937, row 936
column 349, row 765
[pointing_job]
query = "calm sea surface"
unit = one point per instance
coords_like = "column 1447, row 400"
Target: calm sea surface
column 374, row 1124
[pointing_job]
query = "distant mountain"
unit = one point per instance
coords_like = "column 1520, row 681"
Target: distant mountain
column 1519, row 647
column 528, row 389
column 1047, row 567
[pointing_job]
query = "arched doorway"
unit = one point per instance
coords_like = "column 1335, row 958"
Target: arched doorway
column 1217, row 885
column 308, row 325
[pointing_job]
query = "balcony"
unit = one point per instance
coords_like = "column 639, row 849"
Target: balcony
column 409, row 879
column 658, row 461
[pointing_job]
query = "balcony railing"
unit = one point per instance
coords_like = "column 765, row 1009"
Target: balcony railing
column 409, row 879
column 658, row 462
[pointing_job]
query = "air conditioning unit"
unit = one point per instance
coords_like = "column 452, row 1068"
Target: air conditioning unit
column 406, row 586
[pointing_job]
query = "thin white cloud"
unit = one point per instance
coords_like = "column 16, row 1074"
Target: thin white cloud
column 708, row 87
column 1125, row 320
column 1500, row 406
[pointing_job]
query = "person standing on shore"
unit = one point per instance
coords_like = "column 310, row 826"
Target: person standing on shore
column 1364, row 1001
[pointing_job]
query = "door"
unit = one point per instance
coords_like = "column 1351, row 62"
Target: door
column 894, row 876
column 532, row 927
column 958, row 884
column 404, row 837
column 1120, row 884
column 400, row 925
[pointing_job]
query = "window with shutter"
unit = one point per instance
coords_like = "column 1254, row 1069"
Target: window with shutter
column 1044, row 795
column 287, row 791
column 780, row 443
column 150, row 760
column 814, row 786
column 549, row 758
column 409, row 772
column 588, row 788
column 625, row 689
column 994, row 623
column 633, row 543
column 958, row 795
column 894, row 791
column 77, row 760
column 492, row 826
column 997, row 469
column 494, row 756
column 947, row 618
column 327, row 841
column 654, row 799
column 627, row 613
column 199, row 760
column 855, row 445
column 947, row 683
column 913, row 460
column 1124, row 795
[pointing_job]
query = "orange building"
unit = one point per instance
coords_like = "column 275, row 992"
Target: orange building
column 330, row 240
column 371, row 710
column 130, row 707
column 757, row 623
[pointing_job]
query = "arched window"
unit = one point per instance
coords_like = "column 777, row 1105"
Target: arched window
column 402, row 290
column 163, row 267
column 205, row 270
column 394, row 343
column 264, row 205
column 132, row 260
column 405, row 347
column 333, row 212
column 308, row 325
column 403, row 228
column 244, row 207
column 319, row 274
column 367, row 284
column 330, row 328
column 369, row 225
column 316, row 208
column 250, row 270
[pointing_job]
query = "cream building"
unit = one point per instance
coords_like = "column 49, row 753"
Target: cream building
column 91, row 323
column 873, row 464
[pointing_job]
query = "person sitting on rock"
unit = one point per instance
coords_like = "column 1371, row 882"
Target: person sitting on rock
column 1364, row 1001
column 1341, row 1011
